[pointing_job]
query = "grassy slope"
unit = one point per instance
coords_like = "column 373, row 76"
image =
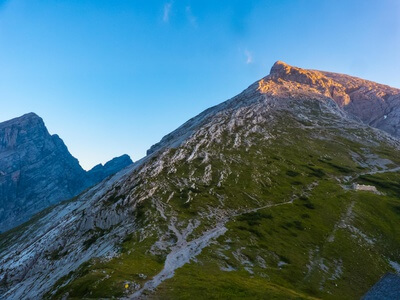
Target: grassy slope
column 299, row 233
column 287, row 251
column 289, row 234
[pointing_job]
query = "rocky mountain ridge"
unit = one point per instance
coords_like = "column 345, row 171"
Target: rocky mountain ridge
column 252, row 198
column 36, row 170
column 99, row 172
column 375, row 104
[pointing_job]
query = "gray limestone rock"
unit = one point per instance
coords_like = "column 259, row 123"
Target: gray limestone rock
column 37, row 170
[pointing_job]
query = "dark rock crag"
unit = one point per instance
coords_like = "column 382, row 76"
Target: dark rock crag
column 37, row 170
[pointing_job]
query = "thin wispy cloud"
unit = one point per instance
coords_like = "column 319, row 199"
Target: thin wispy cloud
column 191, row 18
column 167, row 11
column 249, row 56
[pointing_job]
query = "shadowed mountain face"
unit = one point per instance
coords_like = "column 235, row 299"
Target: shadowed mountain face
column 254, row 198
column 36, row 170
column 99, row 172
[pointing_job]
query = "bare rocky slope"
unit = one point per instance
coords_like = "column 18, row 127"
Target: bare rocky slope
column 375, row 104
column 36, row 170
column 252, row 198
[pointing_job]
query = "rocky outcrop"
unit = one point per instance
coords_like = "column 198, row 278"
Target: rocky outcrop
column 375, row 104
column 36, row 170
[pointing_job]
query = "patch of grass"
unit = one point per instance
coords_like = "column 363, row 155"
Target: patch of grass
column 316, row 172
column 114, row 198
column 55, row 255
column 309, row 205
column 254, row 218
column 292, row 173
column 386, row 182
column 99, row 278
column 206, row 282
column 94, row 235
column 278, row 244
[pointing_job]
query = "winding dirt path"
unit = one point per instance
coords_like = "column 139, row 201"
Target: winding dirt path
column 183, row 251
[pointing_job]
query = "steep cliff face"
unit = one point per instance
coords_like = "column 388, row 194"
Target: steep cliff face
column 252, row 198
column 36, row 170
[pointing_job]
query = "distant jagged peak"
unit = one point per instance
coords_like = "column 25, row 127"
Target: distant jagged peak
column 37, row 170
column 26, row 128
column 30, row 115
column 28, row 118
column 25, row 117
column 116, row 164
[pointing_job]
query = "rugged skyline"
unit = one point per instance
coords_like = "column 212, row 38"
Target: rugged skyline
column 37, row 170
column 141, row 68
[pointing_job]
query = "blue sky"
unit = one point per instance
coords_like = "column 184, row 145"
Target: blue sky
column 113, row 77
